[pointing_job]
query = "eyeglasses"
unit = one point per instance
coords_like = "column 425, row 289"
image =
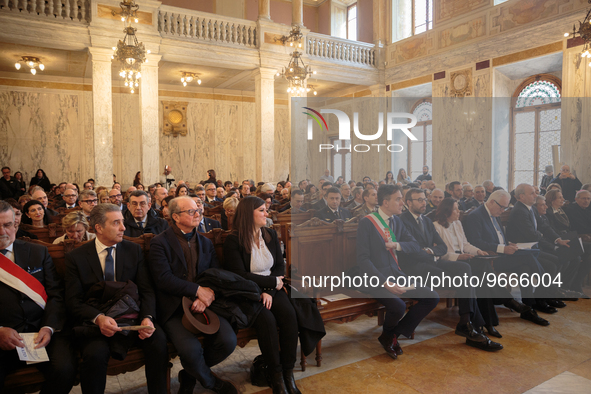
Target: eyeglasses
column 70, row 195
column 421, row 200
column 95, row 201
column 191, row 212
column 115, row 196
column 141, row 204
column 502, row 207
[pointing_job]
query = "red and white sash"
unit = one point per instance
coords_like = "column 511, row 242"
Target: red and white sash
column 385, row 231
column 19, row 279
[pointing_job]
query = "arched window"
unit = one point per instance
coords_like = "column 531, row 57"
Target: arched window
column 420, row 152
column 535, row 128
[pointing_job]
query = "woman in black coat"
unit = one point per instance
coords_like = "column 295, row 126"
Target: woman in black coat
column 40, row 179
column 253, row 251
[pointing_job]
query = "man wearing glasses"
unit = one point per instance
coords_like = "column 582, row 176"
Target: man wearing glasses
column 210, row 193
column 137, row 219
column 87, row 201
column 70, row 199
column 115, row 197
column 177, row 256
column 484, row 230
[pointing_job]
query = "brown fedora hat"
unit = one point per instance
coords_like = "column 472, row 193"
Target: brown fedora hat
column 199, row 323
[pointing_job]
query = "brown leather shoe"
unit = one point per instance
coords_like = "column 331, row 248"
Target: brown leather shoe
column 388, row 346
column 396, row 346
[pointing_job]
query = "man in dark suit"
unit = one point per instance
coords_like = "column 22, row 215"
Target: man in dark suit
column 177, row 257
column 8, row 186
column 484, row 230
column 205, row 224
column 210, row 193
column 333, row 210
column 69, row 198
column 522, row 227
column 40, row 195
column 478, row 199
column 295, row 203
column 138, row 221
column 380, row 237
column 579, row 213
column 434, row 200
column 321, row 203
column 428, row 261
column 456, row 192
column 110, row 259
column 32, row 310
column 569, row 182
column 116, row 198
column 370, row 198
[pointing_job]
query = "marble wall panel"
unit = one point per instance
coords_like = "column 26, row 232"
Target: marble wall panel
column 87, row 130
column 462, row 138
column 228, row 139
column 463, row 32
column 519, row 13
column 127, row 139
column 42, row 130
column 282, row 142
column 482, row 83
column 411, row 49
column 502, row 90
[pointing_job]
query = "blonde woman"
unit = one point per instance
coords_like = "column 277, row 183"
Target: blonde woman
column 75, row 228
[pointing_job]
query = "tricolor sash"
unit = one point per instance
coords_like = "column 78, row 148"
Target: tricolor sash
column 19, row 279
column 385, row 231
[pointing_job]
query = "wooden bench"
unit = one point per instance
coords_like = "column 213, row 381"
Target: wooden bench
column 45, row 234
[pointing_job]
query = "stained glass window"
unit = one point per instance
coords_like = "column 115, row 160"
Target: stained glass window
column 537, row 93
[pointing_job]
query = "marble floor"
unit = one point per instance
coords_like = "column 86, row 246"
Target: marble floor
column 554, row 359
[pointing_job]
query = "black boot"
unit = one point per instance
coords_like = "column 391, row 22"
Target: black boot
column 290, row 383
column 187, row 382
column 278, row 384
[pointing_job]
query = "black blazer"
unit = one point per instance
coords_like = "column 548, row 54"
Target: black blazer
column 210, row 224
column 154, row 225
column 43, row 182
column 20, row 312
column 237, row 260
column 480, row 231
column 327, row 215
column 580, row 219
column 83, row 270
column 556, row 223
column 520, row 227
column 169, row 271
column 431, row 239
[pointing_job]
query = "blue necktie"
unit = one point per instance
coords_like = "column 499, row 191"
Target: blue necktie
column 533, row 216
column 498, row 227
column 391, row 223
column 109, row 266
column 201, row 228
column 4, row 251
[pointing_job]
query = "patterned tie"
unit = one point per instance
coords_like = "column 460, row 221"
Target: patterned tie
column 109, row 266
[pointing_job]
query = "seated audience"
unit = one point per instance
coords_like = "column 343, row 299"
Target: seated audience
column 39, row 195
column 311, row 189
column 116, row 198
column 435, row 200
column 346, row 192
column 389, row 179
column 321, row 203
column 210, row 193
column 69, row 199
column 546, row 179
column 41, row 180
column 103, row 197
column 159, row 194
column 137, row 219
column 182, row 190
column 254, row 252
column 370, row 203
column 35, row 214
column 402, row 177
column 579, row 213
column 425, row 176
column 220, row 193
column 489, row 187
column 87, row 201
column 230, row 205
column 333, row 210
column 75, row 228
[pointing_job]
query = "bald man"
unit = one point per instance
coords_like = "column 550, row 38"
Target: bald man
column 434, row 200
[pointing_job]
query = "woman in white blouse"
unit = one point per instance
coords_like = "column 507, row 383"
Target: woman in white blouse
column 447, row 224
column 253, row 251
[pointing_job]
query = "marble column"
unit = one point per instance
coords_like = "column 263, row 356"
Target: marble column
column 149, row 117
column 382, row 101
column 297, row 12
column 102, row 115
column 265, row 9
column 302, row 150
column 265, row 124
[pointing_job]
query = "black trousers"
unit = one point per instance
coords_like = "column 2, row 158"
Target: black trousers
column 282, row 316
column 96, row 352
column 523, row 263
column 488, row 296
column 394, row 322
column 197, row 359
column 59, row 372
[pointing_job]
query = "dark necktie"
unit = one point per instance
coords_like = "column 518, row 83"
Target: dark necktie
column 140, row 225
column 4, row 251
column 336, row 214
column 201, row 228
column 188, row 236
column 533, row 216
column 391, row 223
column 421, row 224
column 498, row 227
column 109, row 265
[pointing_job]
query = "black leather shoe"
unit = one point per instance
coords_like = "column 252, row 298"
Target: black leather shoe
column 290, row 383
column 386, row 342
column 396, row 346
column 227, row 387
column 533, row 317
column 517, row 306
column 187, row 382
column 545, row 308
column 469, row 332
column 278, row 384
column 489, row 345
column 492, row 331
column 556, row 303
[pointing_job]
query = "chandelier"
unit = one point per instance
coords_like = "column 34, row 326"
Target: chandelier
column 296, row 71
column 584, row 32
column 31, row 62
column 129, row 52
column 187, row 77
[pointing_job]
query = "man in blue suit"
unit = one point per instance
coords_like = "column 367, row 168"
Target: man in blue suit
column 177, row 256
column 484, row 230
column 380, row 236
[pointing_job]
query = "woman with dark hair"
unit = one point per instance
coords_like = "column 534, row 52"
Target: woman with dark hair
column 18, row 215
column 311, row 189
column 556, row 216
column 34, row 214
column 253, row 252
column 139, row 186
column 40, row 179
column 390, row 178
column 21, row 185
column 182, row 190
column 138, row 179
